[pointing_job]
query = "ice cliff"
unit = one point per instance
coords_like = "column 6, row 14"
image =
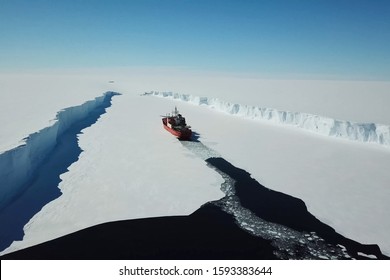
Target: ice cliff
column 362, row 132
column 18, row 166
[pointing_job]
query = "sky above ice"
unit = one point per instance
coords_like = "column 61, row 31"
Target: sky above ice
column 340, row 39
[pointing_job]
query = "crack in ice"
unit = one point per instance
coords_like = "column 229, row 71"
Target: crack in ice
column 19, row 165
column 289, row 243
column 47, row 154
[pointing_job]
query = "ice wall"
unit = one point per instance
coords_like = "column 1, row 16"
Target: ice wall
column 363, row 132
column 17, row 166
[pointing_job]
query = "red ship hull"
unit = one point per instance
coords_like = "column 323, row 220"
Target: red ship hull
column 182, row 134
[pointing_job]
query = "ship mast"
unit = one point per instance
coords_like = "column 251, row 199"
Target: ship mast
column 176, row 111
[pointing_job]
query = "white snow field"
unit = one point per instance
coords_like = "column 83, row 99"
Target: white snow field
column 131, row 167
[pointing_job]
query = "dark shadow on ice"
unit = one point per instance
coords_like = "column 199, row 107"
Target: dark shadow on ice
column 195, row 136
column 283, row 209
column 209, row 233
column 43, row 185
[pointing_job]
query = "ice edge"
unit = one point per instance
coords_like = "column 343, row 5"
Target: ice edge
column 18, row 165
column 361, row 132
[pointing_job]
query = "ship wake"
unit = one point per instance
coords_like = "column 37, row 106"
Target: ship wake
column 295, row 233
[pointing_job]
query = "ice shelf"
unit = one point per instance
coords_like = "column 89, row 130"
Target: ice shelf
column 362, row 132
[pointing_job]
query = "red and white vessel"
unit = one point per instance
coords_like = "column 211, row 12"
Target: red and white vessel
column 176, row 124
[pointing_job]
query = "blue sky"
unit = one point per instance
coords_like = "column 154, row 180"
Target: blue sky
column 322, row 38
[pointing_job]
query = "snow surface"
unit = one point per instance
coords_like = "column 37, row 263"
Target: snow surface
column 131, row 168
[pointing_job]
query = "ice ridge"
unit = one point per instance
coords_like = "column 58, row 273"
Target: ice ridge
column 18, row 165
column 362, row 132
